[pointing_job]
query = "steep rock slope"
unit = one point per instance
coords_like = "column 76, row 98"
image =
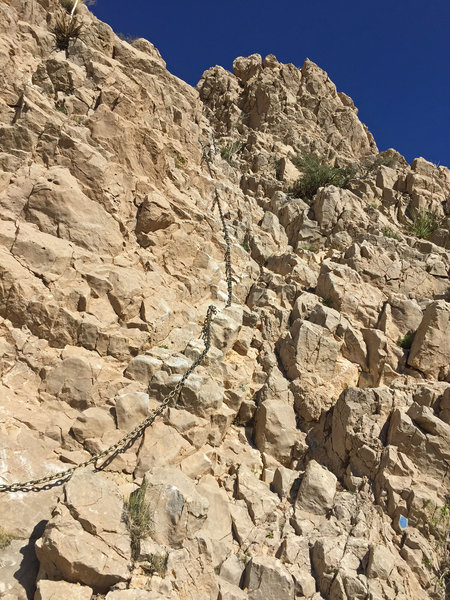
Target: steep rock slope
column 321, row 415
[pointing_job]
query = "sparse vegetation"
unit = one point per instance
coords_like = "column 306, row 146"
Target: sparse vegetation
column 309, row 247
column 157, row 565
column 245, row 246
column 5, row 539
column 180, row 161
column 278, row 169
column 424, row 224
column 126, row 37
column 439, row 527
column 228, row 152
column 380, row 160
column 389, row 233
column 316, row 174
column 137, row 517
column 66, row 28
column 326, row 302
column 406, row 341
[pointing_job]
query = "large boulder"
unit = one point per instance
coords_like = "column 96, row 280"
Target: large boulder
column 178, row 510
column 86, row 540
column 267, row 579
column 317, row 489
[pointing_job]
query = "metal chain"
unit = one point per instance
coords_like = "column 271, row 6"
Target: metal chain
column 128, row 439
column 228, row 271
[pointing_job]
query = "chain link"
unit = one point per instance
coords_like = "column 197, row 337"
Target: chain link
column 128, row 439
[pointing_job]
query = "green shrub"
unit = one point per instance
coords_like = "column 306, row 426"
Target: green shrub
column 368, row 167
column 424, row 224
column 137, row 518
column 316, row 174
column 66, row 28
column 406, row 341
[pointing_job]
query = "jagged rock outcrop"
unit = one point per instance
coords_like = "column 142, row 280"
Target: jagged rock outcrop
column 321, row 414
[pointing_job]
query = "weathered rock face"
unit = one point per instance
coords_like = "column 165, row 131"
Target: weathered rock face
column 300, row 107
column 86, row 540
column 321, row 412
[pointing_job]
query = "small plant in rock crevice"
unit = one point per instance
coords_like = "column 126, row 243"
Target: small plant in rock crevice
column 369, row 166
column 390, row 233
column 180, row 161
column 137, row 517
column 228, row 152
column 126, row 37
column 438, row 525
column 317, row 174
column 406, row 341
column 278, row 169
column 66, row 29
column 5, row 539
column 156, row 565
column 424, row 224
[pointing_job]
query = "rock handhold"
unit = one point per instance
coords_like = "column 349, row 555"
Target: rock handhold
column 317, row 489
column 178, row 510
column 267, row 579
column 94, row 550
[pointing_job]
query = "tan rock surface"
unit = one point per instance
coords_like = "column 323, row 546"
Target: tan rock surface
column 311, row 426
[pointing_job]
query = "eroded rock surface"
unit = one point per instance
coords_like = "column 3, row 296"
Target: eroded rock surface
column 321, row 414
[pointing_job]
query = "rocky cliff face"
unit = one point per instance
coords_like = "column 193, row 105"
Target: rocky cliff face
column 320, row 418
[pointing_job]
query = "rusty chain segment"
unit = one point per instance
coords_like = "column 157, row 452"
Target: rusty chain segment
column 128, row 439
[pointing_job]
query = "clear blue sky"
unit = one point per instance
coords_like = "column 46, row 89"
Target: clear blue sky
column 392, row 57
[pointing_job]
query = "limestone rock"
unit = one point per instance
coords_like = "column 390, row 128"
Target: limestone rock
column 430, row 350
column 228, row 591
column 275, row 430
column 102, row 235
column 48, row 590
column 266, row 578
column 259, row 499
column 111, row 250
column 317, row 489
column 309, row 347
column 131, row 408
column 178, row 510
column 67, row 550
column 380, row 562
column 137, row 594
column 155, row 453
